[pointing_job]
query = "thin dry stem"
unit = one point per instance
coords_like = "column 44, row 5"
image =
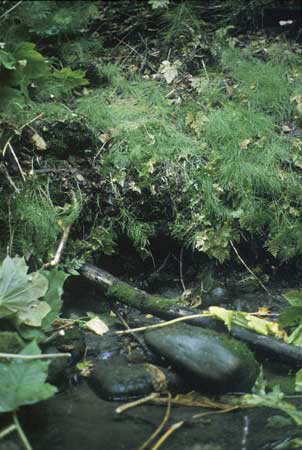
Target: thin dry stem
column 55, row 261
column 34, row 357
column 161, row 425
column 162, row 324
column 168, row 433
column 141, row 401
column 248, row 269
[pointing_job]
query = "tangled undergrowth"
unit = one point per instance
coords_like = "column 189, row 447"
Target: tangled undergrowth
column 193, row 134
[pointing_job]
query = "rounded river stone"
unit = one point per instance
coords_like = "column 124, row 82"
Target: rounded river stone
column 209, row 360
column 119, row 381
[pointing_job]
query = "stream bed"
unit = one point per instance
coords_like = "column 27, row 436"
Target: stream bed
column 79, row 417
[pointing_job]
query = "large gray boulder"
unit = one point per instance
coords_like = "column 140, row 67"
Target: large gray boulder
column 209, row 361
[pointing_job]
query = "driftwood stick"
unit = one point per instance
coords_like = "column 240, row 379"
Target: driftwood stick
column 170, row 309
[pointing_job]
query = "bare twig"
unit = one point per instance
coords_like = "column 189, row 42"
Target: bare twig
column 21, row 432
column 205, row 70
column 221, row 411
column 10, row 180
column 248, row 269
column 162, row 324
column 34, row 357
column 138, row 402
column 161, row 425
column 7, row 431
column 140, row 342
column 55, row 261
column 9, row 146
column 31, row 121
column 6, row 13
column 180, row 270
column 168, row 433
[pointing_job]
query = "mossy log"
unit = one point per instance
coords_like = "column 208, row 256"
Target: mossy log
column 122, row 292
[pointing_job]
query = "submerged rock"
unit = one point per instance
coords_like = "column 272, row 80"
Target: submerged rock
column 209, row 360
column 117, row 381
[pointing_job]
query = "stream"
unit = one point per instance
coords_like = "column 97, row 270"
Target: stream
column 77, row 418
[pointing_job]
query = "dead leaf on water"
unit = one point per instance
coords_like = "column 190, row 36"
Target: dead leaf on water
column 97, row 326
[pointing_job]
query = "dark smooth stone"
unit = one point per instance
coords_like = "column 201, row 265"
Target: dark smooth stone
column 209, row 360
column 117, row 381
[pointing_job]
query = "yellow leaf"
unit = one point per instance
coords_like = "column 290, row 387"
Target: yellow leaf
column 257, row 324
column 245, row 143
column 38, row 142
column 223, row 314
column 263, row 311
column 104, row 138
column 286, row 129
column 97, row 326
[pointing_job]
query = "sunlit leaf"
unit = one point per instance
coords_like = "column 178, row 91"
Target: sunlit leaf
column 97, row 325
column 18, row 291
column 223, row 314
column 23, row 382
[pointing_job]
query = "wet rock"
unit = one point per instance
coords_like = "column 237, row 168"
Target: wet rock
column 209, row 360
column 103, row 347
column 216, row 296
column 116, row 381
column 70, row 341
column 57, row 369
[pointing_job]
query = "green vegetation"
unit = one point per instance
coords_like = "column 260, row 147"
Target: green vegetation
column 210, row 168
column 112, row 133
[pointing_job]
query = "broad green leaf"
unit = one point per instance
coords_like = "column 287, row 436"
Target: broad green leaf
column 294, row 298
column 19, row 292
column 33, row 314
column 26, row 51
column 56, row 279
column 24, row 382
column 290, row 316
column 296, row 337
column 298, row 381
column 7, row 60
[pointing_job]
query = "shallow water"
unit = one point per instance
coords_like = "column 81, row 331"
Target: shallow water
column 78, row 419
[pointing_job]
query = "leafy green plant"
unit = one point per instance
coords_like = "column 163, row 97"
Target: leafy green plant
column 23, row 375
column 20, row 293
column 156, row 4
column 271, row 399
column 291, row 316
column 69, row 79
column 23, row 382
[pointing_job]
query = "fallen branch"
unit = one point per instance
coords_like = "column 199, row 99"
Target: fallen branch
column 168, row 309
column 55, row 261
column 34, row 357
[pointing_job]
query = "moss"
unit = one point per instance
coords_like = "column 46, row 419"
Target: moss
column 136, row 298
column 242, row 351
